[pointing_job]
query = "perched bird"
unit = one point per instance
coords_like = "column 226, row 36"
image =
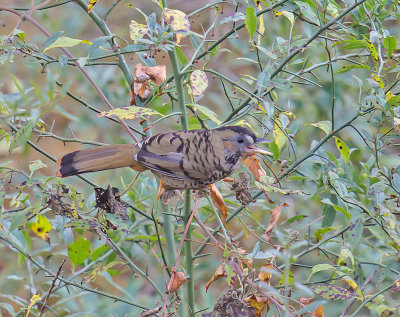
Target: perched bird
column 181, row 159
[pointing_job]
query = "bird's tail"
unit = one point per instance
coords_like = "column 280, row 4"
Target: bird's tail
column 98, row 159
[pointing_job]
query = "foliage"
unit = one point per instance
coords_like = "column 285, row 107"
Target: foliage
column 313, row 230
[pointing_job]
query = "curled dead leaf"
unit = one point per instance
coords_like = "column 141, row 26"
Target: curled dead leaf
column 257, row 170
column 265, row 273
column 141, row 83
column 177, row 279
column 219, row 272
column 219, row 203
column 275, row 215
column 258, row 303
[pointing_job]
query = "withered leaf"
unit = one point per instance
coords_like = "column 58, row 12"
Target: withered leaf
column 275, row 215
column 109, row 201
column 219, row 272
column 219, row 203
column 258, row 303
column 232, row 304
column 257, row 170
column 265, row 273
column 141, row 84
column 177, row 279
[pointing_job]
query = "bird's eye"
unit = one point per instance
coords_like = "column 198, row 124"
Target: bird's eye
column 240, row 140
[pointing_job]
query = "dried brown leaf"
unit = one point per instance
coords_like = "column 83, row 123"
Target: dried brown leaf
column 219, row 272
column 141, row 85
column 257, row 170
column 177, row 279
column 258, row 303
column 275, row 215
column 265, row 273
column 219, row 203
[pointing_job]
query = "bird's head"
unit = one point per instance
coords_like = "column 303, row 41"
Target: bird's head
column 240, row 141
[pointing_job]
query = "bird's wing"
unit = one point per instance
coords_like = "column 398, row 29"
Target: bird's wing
column 170, row 154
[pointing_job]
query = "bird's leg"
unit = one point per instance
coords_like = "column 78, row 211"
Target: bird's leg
column 161, row 190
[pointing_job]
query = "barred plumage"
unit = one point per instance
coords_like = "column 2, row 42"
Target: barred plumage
column 181, row 159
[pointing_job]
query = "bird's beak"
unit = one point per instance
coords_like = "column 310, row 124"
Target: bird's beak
column 254, row 150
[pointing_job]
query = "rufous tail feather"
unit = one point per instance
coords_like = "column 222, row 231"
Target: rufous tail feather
column 98, row 159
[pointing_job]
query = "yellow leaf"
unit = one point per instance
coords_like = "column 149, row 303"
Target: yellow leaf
column 137, row 31
column 198, row 83
column 343, row 149
column 131, row 112
column 258, row 303
column 32, row 302
column 371, row 48
column 279, row 136
column 178, row 22
column 379, row 81
column 91, row 5
column 41, row 227
column 287, row 14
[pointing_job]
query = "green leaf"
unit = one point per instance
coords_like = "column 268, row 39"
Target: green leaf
column 346, row 68
column 345, row 254
column 134, row 48
column 273, row 147
column 19, row 33
column 100, row 251
column 99, row 270
column 79, row 251
column 321, row 267
column 325, row 126
column 99, row 42
column 235, row 17
column 307, row 10
column 321, row 231
column 251, row 21
column 208, row 112
column 355, row 233
column 51, row 39
column 389, row 42
column 343, row 149
column 65, row 41
column 290, row 278
column 333, row 292
column 131, row 112
column 181, row 56
column 336, row 207
column 295, row 218
column 22, row 135
column 35, row 165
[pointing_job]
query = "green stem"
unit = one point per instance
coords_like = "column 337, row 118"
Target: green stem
column 78, row 285
column 189, row 259
column 370, row 299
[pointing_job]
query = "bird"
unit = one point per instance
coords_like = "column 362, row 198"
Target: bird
column 188, row 159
